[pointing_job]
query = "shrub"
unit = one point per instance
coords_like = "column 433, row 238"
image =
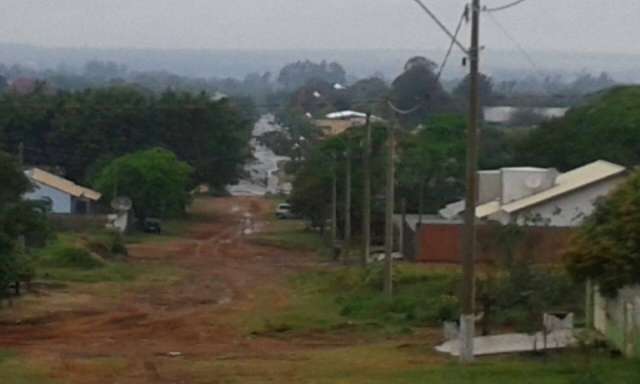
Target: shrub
column 607, row 247
column 72, row 258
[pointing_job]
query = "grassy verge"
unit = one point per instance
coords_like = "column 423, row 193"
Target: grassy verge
column 14, row 370
column 390, row 363
column 352, row 299
column 292, row 235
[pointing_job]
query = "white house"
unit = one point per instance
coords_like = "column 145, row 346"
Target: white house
column 65, row 196
column 529, row 195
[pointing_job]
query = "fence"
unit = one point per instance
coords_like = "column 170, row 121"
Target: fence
column 618, row 318
column 441, row 243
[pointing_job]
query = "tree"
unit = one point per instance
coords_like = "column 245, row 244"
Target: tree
column 607, row 127
column 17, row 219
column 212, row 136
column 487, row 95
column 606, row 248
column 432, row 160
column 155, row 180
column 419, row 86
column 297, row 74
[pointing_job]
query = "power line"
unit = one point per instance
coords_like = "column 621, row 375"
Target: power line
column 463, row 17
column 442, row 26
column 503, row 7
column 519, row 46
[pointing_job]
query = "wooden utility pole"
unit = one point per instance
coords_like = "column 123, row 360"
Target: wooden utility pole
column 403, row 211
column 366, row 197
column 467, row 320
column 21, row 153
column 389, row 208
column 334, row 209
column 347, row 204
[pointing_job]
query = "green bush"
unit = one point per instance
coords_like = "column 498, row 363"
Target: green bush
column 72, row 258
column 108, row 246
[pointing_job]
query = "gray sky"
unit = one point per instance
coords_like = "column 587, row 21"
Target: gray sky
column 576, row 25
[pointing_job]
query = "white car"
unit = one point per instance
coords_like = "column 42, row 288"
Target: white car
column 284, row 211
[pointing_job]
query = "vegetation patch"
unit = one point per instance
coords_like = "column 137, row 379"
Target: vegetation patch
column 71, row 257
column 291, row 235
column 14, row 370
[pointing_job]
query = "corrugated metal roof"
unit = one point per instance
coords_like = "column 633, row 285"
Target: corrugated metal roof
column 61, row 184
column 487, row 209
column 567, row 182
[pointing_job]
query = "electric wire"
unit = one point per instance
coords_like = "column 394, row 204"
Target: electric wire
column 442, row 26
column 463, row 17
column 519, row 46
column 502, row 7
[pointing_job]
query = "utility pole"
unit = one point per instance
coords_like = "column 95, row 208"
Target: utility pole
column 467, row 320
column 389, row 208
column 403, row 211
column 21, row 153
column 366, row 198
column 334, row 208
column 347, row 203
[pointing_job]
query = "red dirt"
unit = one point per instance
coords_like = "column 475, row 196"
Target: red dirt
column 196, row 316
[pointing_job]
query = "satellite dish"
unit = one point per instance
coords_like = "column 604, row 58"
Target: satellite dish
column 121, row 203
column 534, row 181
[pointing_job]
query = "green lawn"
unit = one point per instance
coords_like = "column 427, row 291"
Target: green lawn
column 15, row 370
column 291, row 235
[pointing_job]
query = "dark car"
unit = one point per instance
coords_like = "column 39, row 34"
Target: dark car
column 152, row 226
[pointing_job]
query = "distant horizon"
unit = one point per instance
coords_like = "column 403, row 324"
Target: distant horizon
column 342, row 49
column 359, row 63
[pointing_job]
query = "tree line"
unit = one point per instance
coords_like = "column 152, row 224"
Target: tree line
column 78, row 133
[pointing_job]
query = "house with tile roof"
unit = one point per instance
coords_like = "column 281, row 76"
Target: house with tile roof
column 62, row 195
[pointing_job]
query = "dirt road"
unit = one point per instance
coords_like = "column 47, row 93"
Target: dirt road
column 153, row 331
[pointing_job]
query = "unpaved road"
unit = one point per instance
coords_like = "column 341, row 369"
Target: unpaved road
column 148, row 332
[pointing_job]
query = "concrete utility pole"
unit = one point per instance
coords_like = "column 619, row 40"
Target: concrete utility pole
column 366, row 197
column 347, row 203
column 389, row 208
column 467, row 320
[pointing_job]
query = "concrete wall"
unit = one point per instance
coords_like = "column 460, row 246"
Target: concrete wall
column 61, row 202
column 489, row 186
column 516, row 182
column 618, row 319
column 569, row 210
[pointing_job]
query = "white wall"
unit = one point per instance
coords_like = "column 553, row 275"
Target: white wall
column 571, row 209
column 61, row 201
column 514, row 182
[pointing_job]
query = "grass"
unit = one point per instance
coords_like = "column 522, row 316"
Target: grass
column 391, row 363
column 15, row 370
column 291, row 235
column 351, row 299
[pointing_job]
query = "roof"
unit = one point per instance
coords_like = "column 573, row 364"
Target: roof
column 43, row 177
column 565, row 183
column 345, row 115
column 568, row 182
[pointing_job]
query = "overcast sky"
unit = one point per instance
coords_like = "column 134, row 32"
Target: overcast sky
column 574, row 25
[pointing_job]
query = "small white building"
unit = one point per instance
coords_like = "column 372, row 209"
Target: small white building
column 539, row 196
column 64, row 196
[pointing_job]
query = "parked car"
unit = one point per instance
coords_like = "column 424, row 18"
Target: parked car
column 152, row 226
column 283, row 212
